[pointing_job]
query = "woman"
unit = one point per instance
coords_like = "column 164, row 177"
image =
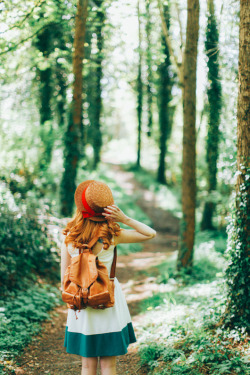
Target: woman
column 99, row 333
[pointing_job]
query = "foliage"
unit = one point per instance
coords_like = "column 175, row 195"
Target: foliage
column 208, row 261
column 27, row 249
column 21, row 315
column 168, row 197
column 237, row 273
column 198, row 353
column 180, row 334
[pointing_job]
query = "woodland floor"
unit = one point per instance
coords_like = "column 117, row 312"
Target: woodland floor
column 46, row 353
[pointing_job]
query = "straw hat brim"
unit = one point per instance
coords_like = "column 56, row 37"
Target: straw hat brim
column 78, row 200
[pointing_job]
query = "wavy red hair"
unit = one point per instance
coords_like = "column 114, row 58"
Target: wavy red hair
column 80, row 231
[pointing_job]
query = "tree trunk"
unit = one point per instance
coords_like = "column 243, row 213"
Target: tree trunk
column 61, row 79
column 44, row 43
column 214, row 111
column 237, row 311
column 97, row 139
column 164, row 98
column 243, row 110
column 139, row 90
column 149, row 70
column 185, row 254
column 73, row 148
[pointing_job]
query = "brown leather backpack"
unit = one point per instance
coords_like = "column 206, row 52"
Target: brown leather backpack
column 86, row 281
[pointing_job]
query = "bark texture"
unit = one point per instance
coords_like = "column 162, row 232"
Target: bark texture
column 185, row 254
column 73, row 145
column 243, row 110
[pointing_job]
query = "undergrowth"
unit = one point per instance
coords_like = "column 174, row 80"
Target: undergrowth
column 30, row 259
column 20, row 319
column 181, row 334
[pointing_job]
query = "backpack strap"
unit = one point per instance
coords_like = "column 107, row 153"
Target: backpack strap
column 93, row 242
column 90, row 244
column 113, row 267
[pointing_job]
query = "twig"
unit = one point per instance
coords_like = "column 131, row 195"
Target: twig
column 168, row 42
column 13, row 47
column 39, row 2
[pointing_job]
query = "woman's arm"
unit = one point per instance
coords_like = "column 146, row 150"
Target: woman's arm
column 65, row 261
column 141, row 232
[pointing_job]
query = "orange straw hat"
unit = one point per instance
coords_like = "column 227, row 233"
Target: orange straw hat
column 91, row 197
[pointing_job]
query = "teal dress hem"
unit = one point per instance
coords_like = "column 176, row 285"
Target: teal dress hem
column 103, row 344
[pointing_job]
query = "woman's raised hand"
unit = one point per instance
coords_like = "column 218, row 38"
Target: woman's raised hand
column 114, row 213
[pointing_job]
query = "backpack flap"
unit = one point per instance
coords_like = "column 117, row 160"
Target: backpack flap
column 83, row 271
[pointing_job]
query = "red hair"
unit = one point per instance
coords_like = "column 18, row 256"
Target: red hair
column 80, row 231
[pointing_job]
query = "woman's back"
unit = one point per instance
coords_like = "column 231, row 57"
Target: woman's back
column 105, row 256
column 104, row 333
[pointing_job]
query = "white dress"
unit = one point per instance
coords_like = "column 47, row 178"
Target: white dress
column 97, row 332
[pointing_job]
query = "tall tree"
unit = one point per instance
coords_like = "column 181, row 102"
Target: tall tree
column 178, row 60
column 164, row 97
column 139, row 87
column 61, row 78
column 214, row 112
column 186, row 71
column 187, row 229
column 149, row 69
column 73, row 145
column 44, row 44
column 97, row 139
column 237, row 311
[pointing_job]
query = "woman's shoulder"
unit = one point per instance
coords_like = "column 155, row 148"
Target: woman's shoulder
column 69, row 246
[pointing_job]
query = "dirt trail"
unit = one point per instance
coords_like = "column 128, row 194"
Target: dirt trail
column 46, row 354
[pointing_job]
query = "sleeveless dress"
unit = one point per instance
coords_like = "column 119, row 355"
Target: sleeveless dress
column 96, row 332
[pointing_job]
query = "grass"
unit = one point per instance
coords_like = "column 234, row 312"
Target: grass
column 180, row 334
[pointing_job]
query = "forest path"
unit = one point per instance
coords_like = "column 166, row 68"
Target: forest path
column 46, row 353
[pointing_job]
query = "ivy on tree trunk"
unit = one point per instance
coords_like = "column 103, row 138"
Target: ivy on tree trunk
column 237, row 313
column 44, row 44
column 164, row 97
column 139, row 89
column 149, row 69
column 214, row 112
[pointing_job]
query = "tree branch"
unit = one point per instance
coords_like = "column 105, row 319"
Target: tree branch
column 13, row 47
column 168, row 42
column 18, row 24
column 180, row 25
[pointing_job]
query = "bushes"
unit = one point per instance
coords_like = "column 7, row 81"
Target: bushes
column 21, row 315
column 26, row 250
column 181, row 332
column 198, row 353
